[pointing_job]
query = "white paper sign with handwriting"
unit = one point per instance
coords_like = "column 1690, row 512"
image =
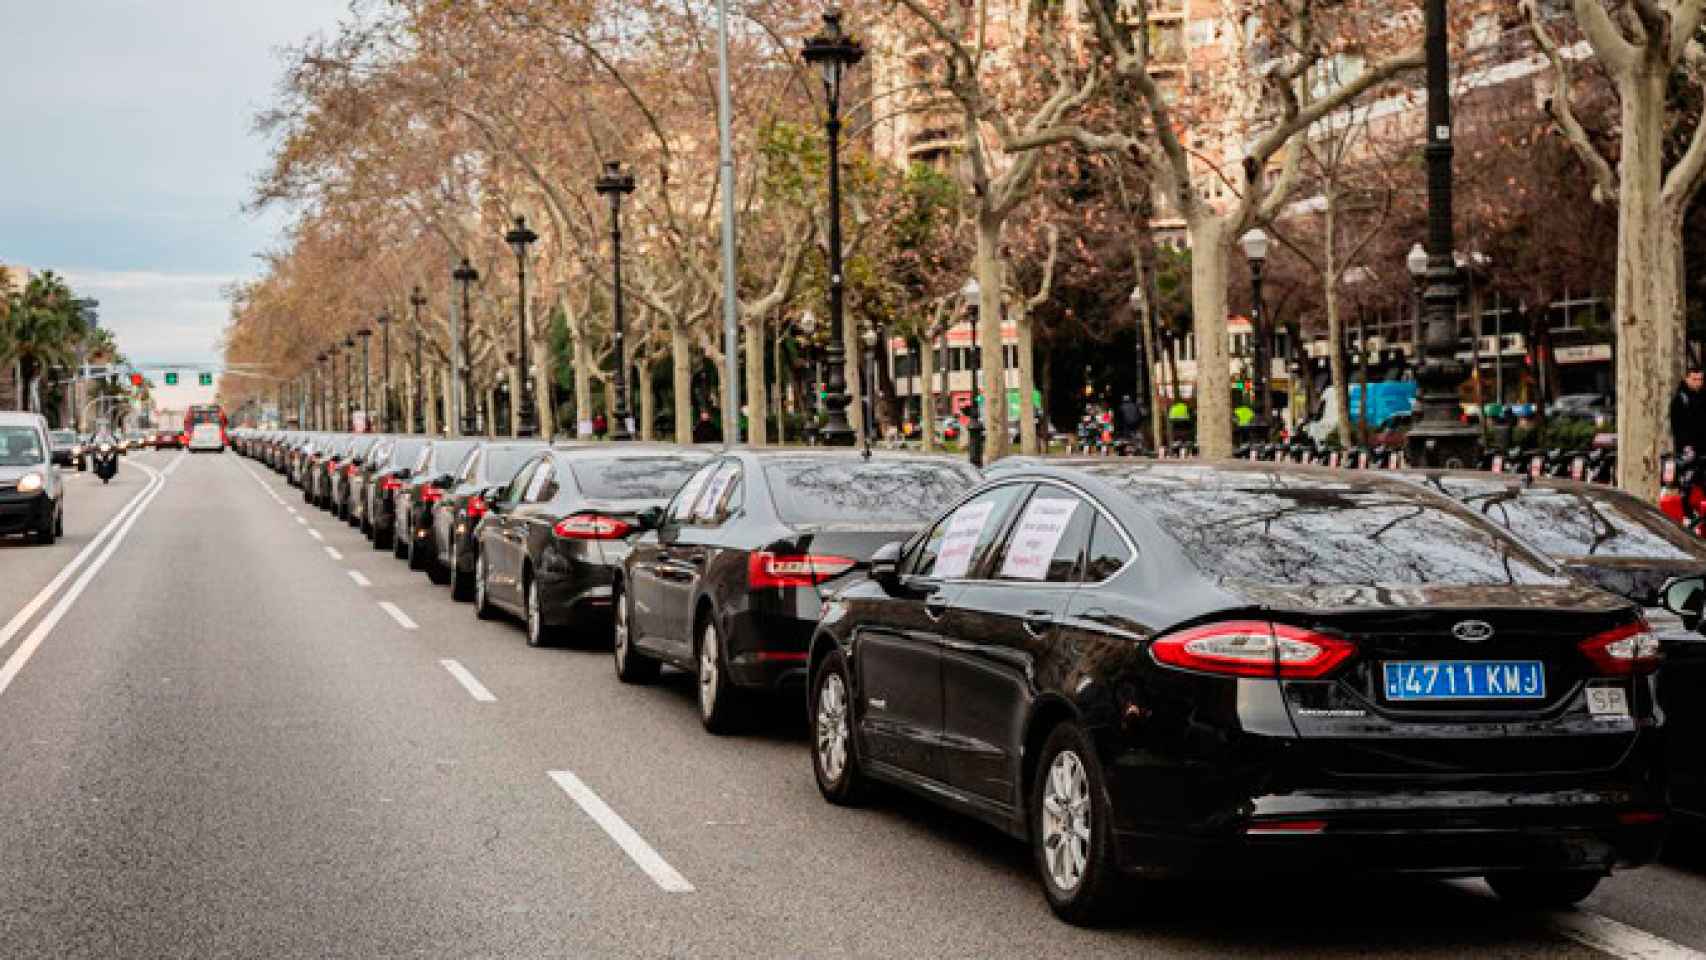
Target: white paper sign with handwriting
column 960, row 540
column 1036, row 537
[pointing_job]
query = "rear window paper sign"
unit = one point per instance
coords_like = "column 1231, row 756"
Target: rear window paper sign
column 1036, row 537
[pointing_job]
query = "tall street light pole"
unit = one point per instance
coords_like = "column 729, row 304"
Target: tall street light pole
column 385, row 371
column 973, row 296
column 614, row 184
column 833, row 53
column 519, row 239
column 417, row 299
column 1416, row 262
column 348, row 410
column 1256, row 251
column 366, row 398
column 1440, row 438
column 465, row 274
column 726, row 170
column 320, row 387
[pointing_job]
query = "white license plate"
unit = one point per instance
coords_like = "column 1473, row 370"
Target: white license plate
column 1610, row 702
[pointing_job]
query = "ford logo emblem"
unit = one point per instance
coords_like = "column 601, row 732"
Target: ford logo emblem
column 1472, row 631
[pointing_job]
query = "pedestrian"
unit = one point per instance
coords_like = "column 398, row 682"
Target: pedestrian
column 1130, row 419
column 600, row 425
column 1688, row 413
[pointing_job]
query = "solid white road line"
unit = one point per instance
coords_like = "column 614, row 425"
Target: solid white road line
column 475, row 688
column 333, row 553
column 27, row 649
column 1602, row 933
column 1618, row 939
column 302, row 521
column 23, row 616
column 398, row 615
column 635, row 846
column 315, row 534
column 292, row 510
column 360, row 580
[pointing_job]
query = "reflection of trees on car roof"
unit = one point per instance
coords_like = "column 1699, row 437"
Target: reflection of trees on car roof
column 827, row 491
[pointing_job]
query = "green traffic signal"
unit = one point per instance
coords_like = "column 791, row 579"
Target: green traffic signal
column 171, row 379
column 207, row 379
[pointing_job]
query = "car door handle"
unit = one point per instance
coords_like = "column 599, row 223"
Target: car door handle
column 1038, row 622
column 935, row 608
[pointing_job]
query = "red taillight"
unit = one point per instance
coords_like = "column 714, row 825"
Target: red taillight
column 349, row 471
column 390, row 485
column 1252, row 648
column 1641, row 817
column 1624, row 651
column 1285, row 828
column 766, row 569
column 476, row 508
column 331, row 467
column 592, row 526
column 431, row 494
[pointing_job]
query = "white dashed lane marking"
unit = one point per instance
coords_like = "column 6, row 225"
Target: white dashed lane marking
column 398, row 615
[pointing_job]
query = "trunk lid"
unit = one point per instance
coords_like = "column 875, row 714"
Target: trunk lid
column 855, row 541
column 1450, row 683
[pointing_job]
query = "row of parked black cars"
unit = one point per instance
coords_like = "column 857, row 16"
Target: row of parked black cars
column 1141, row 668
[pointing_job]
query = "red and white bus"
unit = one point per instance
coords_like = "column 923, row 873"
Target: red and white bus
column 205, row 413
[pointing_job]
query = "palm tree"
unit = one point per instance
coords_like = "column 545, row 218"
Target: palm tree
column 41, row 327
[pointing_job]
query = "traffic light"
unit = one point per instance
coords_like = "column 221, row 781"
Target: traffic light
column 207, row 379
column 171, row 379
column 136, row 379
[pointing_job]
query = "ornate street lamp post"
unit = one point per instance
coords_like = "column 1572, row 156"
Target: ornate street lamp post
column 973, row 296
column 519, row 239
column 385, row 372
column 366, row 406
column 348, row 410
column 1255, row 245
column 1440, row 438
column 1416, row 262
column 613, row 184
column 417, row 299
column 833, row 52
column 465, row 274
column 322, row 384
column 869, row 338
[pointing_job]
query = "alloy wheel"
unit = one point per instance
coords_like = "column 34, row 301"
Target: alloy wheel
column 619, row 635
column 480, row 583
column 1066, row 820
column 534, row 628
column 708, row 672
column 832, row 727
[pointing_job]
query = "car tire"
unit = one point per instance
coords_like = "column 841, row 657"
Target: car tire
column 482, row 602
column 533, row 620
column 417, row 553
column 1544, row 889
column 632, row 666
column 1072, row 838
column 461, row 584
column 45, row 535
column 835, row 762
column 720, row 703
column 59, row 522
column 399, row 546
column 436, row 571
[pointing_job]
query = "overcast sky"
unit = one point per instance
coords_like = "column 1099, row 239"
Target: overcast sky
column 128, row 153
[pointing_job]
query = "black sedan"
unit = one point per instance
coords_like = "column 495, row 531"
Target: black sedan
column 1153, row 669
column 731, row 584
column 433, row 474
column 390, row 470
column 457, row 513
column 553, row 538
column 1625, row 545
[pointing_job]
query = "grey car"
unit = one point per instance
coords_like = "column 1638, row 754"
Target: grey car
column 32, row 495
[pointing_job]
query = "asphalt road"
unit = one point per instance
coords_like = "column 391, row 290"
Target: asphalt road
column 218, row 740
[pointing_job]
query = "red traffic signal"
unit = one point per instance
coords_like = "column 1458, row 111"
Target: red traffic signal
column 136, row 379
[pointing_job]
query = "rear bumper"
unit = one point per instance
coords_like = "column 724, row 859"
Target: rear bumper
column 24, row 513
column 768, row 650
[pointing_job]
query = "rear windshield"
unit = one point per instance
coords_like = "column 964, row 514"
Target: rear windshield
column 1573, row 523
column 633, row 478
column 446, row 454
column 502, row 463
column 843, row 490
column 403, row 452
column 1267, row 529
column 20, row 447
column 62, row 436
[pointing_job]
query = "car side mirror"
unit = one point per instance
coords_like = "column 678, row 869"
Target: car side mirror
column 885, row 564
column 650, row 518
column 1685, row 597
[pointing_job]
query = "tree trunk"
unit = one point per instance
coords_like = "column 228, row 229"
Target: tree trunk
column 681, row 380
column 1211, row 244
column 927, row 392
column 1027, row 380
column 991, row 281
column 544, row 405
column 583, row 367
column 513, row 377
column 757, row 397
column 1649, row 312
column 1363, row 426
column 648, row 401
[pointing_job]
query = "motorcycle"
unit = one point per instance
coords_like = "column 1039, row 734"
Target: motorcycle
column 106, row 461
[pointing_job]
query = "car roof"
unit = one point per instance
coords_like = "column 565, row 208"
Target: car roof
column 19, row 418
